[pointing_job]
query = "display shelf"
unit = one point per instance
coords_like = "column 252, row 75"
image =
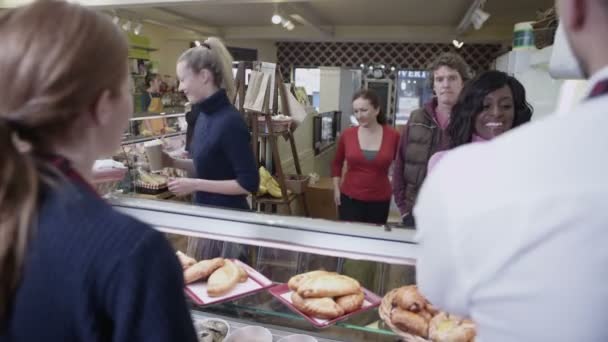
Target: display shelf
column 157, row 116
column 338, row 239
column 141, row 140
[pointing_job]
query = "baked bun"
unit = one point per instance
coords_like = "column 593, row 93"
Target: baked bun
column 243, row 276
column 295, row 281
column 450, row 328
column 223, row 279
column 408, row 298
column 410, row 322
column 352, row 302
column 185, row 260
column 325, row 308
column 202, row 270
column 328, row 285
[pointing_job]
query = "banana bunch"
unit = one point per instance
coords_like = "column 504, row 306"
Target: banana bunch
column 268, row 185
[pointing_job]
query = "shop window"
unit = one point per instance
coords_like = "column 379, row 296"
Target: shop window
column 309, row 79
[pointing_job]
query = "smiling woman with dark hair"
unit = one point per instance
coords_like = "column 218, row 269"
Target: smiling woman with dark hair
column 488, row 106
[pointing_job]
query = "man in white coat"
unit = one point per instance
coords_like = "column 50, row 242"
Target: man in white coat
column 514, row 232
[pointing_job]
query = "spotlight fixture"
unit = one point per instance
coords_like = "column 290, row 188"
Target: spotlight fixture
column 475, row 16
column 479, row 17
column 127, row 26
column 137, row 29
column 457, row 44
column 276, row 19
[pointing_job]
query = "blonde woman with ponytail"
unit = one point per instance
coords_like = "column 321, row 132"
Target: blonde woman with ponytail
column 222, row 157
column 71, row 268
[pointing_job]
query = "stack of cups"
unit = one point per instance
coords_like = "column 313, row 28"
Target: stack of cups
column 154, row 152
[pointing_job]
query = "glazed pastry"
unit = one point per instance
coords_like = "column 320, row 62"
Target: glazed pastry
column 202, row 269
column 295, row 281
column 325, row 308
column 426, row 315
column 223, row 279
column 450, row 328
column 243, row 276
column 328, row 285
column 185, row 260
column 410, row 322
column 408, row 298
column 352, row 302
column 431, row 309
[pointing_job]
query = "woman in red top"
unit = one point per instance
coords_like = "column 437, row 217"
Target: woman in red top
column 365, row 192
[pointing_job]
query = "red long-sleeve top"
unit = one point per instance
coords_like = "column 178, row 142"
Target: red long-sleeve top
column 365, row 180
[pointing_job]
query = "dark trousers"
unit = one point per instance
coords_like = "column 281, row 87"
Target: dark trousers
column 353, row 210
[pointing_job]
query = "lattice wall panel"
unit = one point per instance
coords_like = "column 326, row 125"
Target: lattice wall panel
column 399, row 55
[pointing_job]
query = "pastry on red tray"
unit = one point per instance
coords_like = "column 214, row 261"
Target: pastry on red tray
column 450, row 328
column 202, row 269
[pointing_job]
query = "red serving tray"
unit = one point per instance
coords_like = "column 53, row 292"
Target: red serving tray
column 255, row 283
column 283, row 293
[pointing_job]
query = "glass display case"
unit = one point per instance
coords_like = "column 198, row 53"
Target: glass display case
column 147, row 126
column 380, row 258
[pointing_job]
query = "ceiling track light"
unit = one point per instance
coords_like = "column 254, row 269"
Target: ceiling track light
column 127, row 26
column 479, row 17
column 276, row 18
column 457, row 44
column 475, row 16
column 137, row 29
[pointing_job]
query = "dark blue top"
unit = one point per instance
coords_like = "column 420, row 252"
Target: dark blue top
column 93, row 274
column 221, row 150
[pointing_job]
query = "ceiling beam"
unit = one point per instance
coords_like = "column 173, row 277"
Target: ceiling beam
column 305, row 14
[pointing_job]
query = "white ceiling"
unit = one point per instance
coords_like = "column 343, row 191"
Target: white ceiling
column 339, row 20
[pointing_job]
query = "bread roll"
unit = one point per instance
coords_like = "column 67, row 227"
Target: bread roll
column 223, row 279
column 325, row 308
column 202, row 270
column 295, row 281
column 410, row 322
column 352, row 302
column 328, row 285
column 408, row 298
column 449, row 328
column 243, row 276
column 185, row 260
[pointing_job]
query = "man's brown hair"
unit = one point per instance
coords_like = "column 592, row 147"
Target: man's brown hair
column 452, row 61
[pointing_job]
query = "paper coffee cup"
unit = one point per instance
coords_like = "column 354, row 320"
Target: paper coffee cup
column 154, row 152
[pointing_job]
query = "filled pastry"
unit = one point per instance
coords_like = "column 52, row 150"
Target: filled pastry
column 328, row 285
column 223, row 279
column 202, row 270
column 185, row 260
column 325, row 308
column 410, row 322
column 449, row 328
column 297, row 280
column 243, row 276
column 351, row 302
column 408, row 298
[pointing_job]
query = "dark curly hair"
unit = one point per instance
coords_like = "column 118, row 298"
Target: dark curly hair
column 470, row 104
column 374, row 100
